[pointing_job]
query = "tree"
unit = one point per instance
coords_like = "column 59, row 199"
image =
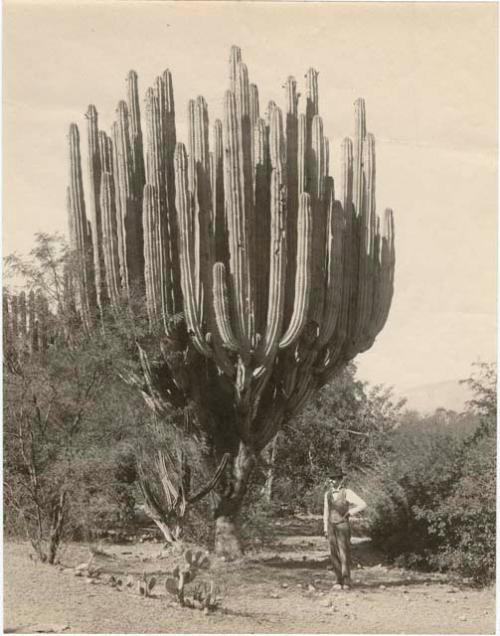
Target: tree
column 483, row 385
column 67, row 416
column 260, row 284
column 347, row 425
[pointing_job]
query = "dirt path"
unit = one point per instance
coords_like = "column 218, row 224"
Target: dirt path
column 283, row 589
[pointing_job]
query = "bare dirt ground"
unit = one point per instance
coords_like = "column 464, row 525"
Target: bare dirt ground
column 284, row 587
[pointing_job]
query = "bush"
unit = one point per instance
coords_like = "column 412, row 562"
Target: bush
column 465, row 520
column 432, row 498
column 346, row 425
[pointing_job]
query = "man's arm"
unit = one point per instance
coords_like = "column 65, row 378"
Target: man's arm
column 358, row 503
column 325, row 513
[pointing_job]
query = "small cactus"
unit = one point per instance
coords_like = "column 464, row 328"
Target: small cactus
column 171, row 586
column 145, row 585
column 150, row 585
column 185, row 573
column 207, row 595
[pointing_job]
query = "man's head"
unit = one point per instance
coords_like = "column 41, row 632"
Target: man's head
column 336, row 477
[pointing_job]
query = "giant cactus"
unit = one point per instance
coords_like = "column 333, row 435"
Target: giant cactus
column 261, row 277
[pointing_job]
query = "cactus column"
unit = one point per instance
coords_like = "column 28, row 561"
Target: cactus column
column 261, row 278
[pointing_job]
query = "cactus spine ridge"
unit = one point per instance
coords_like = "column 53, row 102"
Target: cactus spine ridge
column 303, row 273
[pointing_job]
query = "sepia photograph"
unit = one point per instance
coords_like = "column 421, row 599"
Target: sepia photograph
column 249, row 317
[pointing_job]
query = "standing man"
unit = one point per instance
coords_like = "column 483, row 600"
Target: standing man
column 340, row 504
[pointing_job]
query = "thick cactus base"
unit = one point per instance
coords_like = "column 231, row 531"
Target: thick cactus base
column 227, row 542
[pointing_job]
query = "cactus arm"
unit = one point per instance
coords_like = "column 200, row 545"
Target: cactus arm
column 216, row 477
column 119, row 174
column 262, row 221
column 130, row 206
column 254, row 113
column 368, row 255
column 192, row 180
column 239, row 246
column 359, row 219
column 268, row 347
column 316, row 186
column 203, row 222
column 365, row 222
column 234, row 59
column 105, row 153
column 359, row 137
column 327, row 156
column 318, row 165
column 152, row 258
column 341, row 328
column 94, row 164
column 109, row 238
column 334, row 268
column 218, row 207
column 245, row 132
column 135, row 133
column 169, row 142
column 185, row 209
column 302, row 154
column 254, row 105
column 203, row 230
column 292, row 194
column 221, row 307
column 78, row 224
column 387, row 265
column 303, row 273
column 160, row 127
column 312, row 93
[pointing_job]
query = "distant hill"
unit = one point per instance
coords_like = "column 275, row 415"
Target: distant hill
column 426, row 398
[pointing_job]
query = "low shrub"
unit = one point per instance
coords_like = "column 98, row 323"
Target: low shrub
column 432, row 499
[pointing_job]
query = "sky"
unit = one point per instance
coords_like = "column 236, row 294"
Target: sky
column 428, row 73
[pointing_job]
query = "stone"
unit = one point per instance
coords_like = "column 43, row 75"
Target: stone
column 81, row 567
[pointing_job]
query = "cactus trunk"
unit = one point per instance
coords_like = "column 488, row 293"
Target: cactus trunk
column 228, row 504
